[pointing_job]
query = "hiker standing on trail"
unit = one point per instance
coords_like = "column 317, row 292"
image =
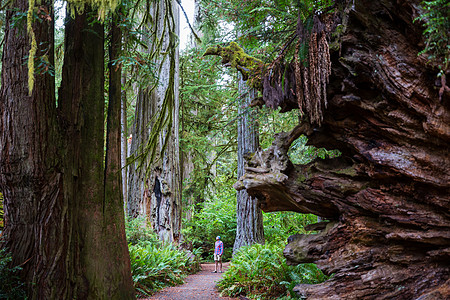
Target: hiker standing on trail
column 218, row 251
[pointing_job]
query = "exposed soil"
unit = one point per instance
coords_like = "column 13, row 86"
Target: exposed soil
column 200, row 286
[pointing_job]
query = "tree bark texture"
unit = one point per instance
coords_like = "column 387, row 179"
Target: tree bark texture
column 155, row 186
column 60, row 227
column 36, row 221
column 386, row 197
column 249, row 220
column 118, row 258
column 124, row 141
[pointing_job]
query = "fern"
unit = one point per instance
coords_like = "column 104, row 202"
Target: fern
column 154, row 264
column 11, row 285
column 261, row 272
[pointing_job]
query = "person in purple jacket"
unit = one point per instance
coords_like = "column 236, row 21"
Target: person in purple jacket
column 218, row 251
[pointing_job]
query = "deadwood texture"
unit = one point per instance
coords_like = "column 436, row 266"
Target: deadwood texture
column 386, row 198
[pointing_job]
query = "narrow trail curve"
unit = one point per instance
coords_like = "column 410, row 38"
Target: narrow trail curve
column 200, row 286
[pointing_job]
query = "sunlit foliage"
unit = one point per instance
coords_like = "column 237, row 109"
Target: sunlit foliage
column 436, row 18
column 261, row 272
column 155, row 264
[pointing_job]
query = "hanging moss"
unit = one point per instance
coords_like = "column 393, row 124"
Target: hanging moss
column 102, row 6
column 301, row 83
column 33, row 49
column 75, row 6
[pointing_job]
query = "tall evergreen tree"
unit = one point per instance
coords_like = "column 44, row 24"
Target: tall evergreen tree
column 155, row 177
column 249, row 217
column 64, row 220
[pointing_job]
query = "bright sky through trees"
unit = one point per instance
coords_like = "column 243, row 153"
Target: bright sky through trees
column 188, row 6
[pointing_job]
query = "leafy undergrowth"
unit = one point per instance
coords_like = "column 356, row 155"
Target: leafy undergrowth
column 155, row 265
column 261, row 272
column 11, row 286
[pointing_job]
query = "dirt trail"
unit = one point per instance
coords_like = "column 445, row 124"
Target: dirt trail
column 200, row 286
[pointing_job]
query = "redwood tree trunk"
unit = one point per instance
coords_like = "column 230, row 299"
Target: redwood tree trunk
column 155, row 186
column 36, row 218
column 114, row 217
column 68, row 237
column 124, row 141
column 99, row 240
column 387, row 197
column 249, row 220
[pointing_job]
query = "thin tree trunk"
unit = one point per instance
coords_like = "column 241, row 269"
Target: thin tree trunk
column 124, row 141
column 249, row 218
column 187, row 163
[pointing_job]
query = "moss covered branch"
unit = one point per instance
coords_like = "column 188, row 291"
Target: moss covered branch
column 250, row 67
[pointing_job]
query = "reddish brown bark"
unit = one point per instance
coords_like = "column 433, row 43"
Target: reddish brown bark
column 249, row 219
column 36, row 223
column 60, row 227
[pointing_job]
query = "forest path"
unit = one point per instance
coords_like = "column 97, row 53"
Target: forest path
column 199, row 286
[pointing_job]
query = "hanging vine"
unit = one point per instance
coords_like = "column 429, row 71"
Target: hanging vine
column 160, row 53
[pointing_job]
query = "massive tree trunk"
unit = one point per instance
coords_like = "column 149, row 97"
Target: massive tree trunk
column 249, row 220
column 113, row 227
column 36, row 220
column 387, row 197
column 64, row 217
column 155, row 182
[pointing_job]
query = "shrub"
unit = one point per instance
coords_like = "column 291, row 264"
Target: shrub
column 278, row 226
column 11, row 286
column 435, row 15
column 217, row 217
column 137, row 231
column 154, row 264
column 261, row 272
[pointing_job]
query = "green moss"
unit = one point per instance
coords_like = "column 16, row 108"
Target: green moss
column 33, row 48
column 102, row 6
column 250, row 67
column 301, row 178
column 348, row 171
column 335, row 42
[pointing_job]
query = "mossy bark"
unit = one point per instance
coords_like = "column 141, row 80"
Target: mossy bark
column 155, row 184
column 234, row 56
